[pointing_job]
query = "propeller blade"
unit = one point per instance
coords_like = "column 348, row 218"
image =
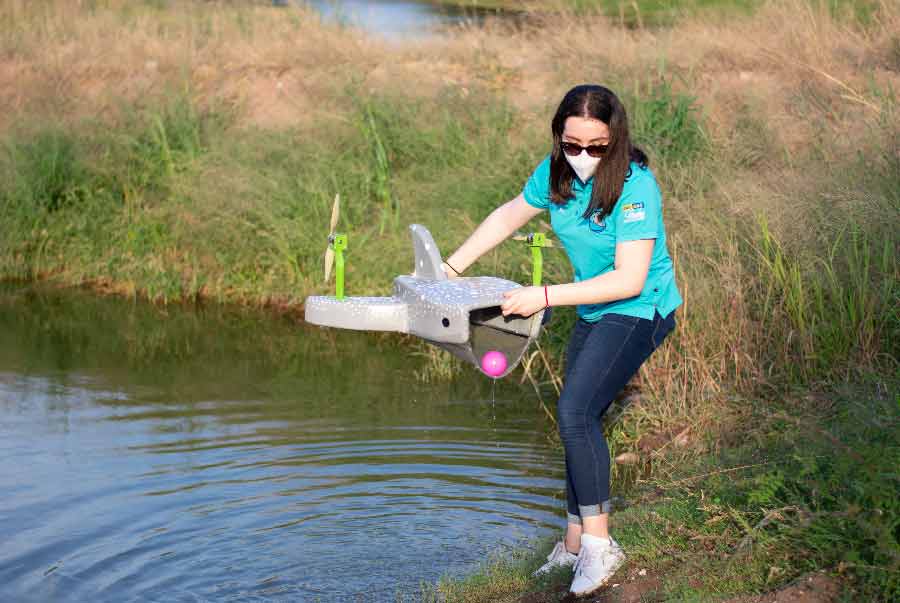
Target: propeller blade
column 329, row 262
column 335, row 213
column 329, row 251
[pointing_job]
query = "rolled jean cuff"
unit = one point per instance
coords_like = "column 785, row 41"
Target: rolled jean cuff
column 591, row 510
column 573, row 518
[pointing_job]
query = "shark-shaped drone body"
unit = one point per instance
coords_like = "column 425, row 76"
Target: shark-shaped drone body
column 461, row 315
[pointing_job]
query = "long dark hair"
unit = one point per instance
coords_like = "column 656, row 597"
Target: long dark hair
column 594, row 102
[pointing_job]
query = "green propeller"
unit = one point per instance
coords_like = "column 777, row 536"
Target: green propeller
column 537, row 241
column 334, row 254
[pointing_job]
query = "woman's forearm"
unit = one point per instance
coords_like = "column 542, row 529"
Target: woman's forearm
column 615, row 285
column 490, row 233
column 626, row 280
column 611, row 286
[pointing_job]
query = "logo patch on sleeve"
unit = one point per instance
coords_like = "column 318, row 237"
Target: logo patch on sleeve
column 633, row 212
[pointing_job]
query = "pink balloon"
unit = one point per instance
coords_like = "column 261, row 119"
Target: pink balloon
column 493, row 363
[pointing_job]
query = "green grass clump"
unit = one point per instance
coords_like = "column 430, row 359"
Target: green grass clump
column 45, row 173
column 842, row 307
column 160, row 144
column 88, row 204
column 835, row 285
column 662, row 13
column 644, row 13
column 668, row 122
column 630, row 12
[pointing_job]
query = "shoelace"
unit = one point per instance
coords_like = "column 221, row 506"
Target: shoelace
column 554, row 554
column 579, row 561
column 585, row 557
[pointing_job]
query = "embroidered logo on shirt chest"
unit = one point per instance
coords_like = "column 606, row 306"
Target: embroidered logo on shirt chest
column 596, row 221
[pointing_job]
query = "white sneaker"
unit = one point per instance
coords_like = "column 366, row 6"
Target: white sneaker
column 597, row 561
column 559, row 557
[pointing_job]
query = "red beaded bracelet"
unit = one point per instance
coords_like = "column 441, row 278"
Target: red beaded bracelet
column 546, row 298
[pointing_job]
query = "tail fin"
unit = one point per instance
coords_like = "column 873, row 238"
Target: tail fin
column 427, row 257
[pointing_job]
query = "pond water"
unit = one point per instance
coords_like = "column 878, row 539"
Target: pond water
column 395, row 18
column 167, row 454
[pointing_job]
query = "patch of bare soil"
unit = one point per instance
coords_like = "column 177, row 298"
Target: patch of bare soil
column 627, row 586
column 811, row 588
column 637, row 586
column 552, row 594
column 677, row 435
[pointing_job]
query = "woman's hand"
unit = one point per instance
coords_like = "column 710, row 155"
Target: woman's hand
column 448, row 270
column 523, row 301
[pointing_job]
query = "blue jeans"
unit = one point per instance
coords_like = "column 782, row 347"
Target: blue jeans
column 602, row 356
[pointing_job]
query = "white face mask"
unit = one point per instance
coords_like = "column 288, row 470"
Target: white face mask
column 583, row 164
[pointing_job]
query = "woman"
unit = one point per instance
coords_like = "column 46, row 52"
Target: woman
column 606, row 209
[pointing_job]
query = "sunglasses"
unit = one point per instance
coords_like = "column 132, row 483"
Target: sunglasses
column 594, row 150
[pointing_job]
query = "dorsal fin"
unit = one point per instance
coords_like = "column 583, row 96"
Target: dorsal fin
column 427, row 257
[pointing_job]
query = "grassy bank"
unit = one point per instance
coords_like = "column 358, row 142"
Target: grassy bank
column 195, row 153
column 653, row 13
column 811, row 484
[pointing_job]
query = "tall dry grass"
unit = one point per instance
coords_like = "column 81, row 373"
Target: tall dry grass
column 792, row 63
column 280, row 66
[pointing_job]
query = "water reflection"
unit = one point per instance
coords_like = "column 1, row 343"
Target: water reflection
column 152, row 454
column 396, row 18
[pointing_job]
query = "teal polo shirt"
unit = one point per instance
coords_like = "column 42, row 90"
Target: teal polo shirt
column 591, row 242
